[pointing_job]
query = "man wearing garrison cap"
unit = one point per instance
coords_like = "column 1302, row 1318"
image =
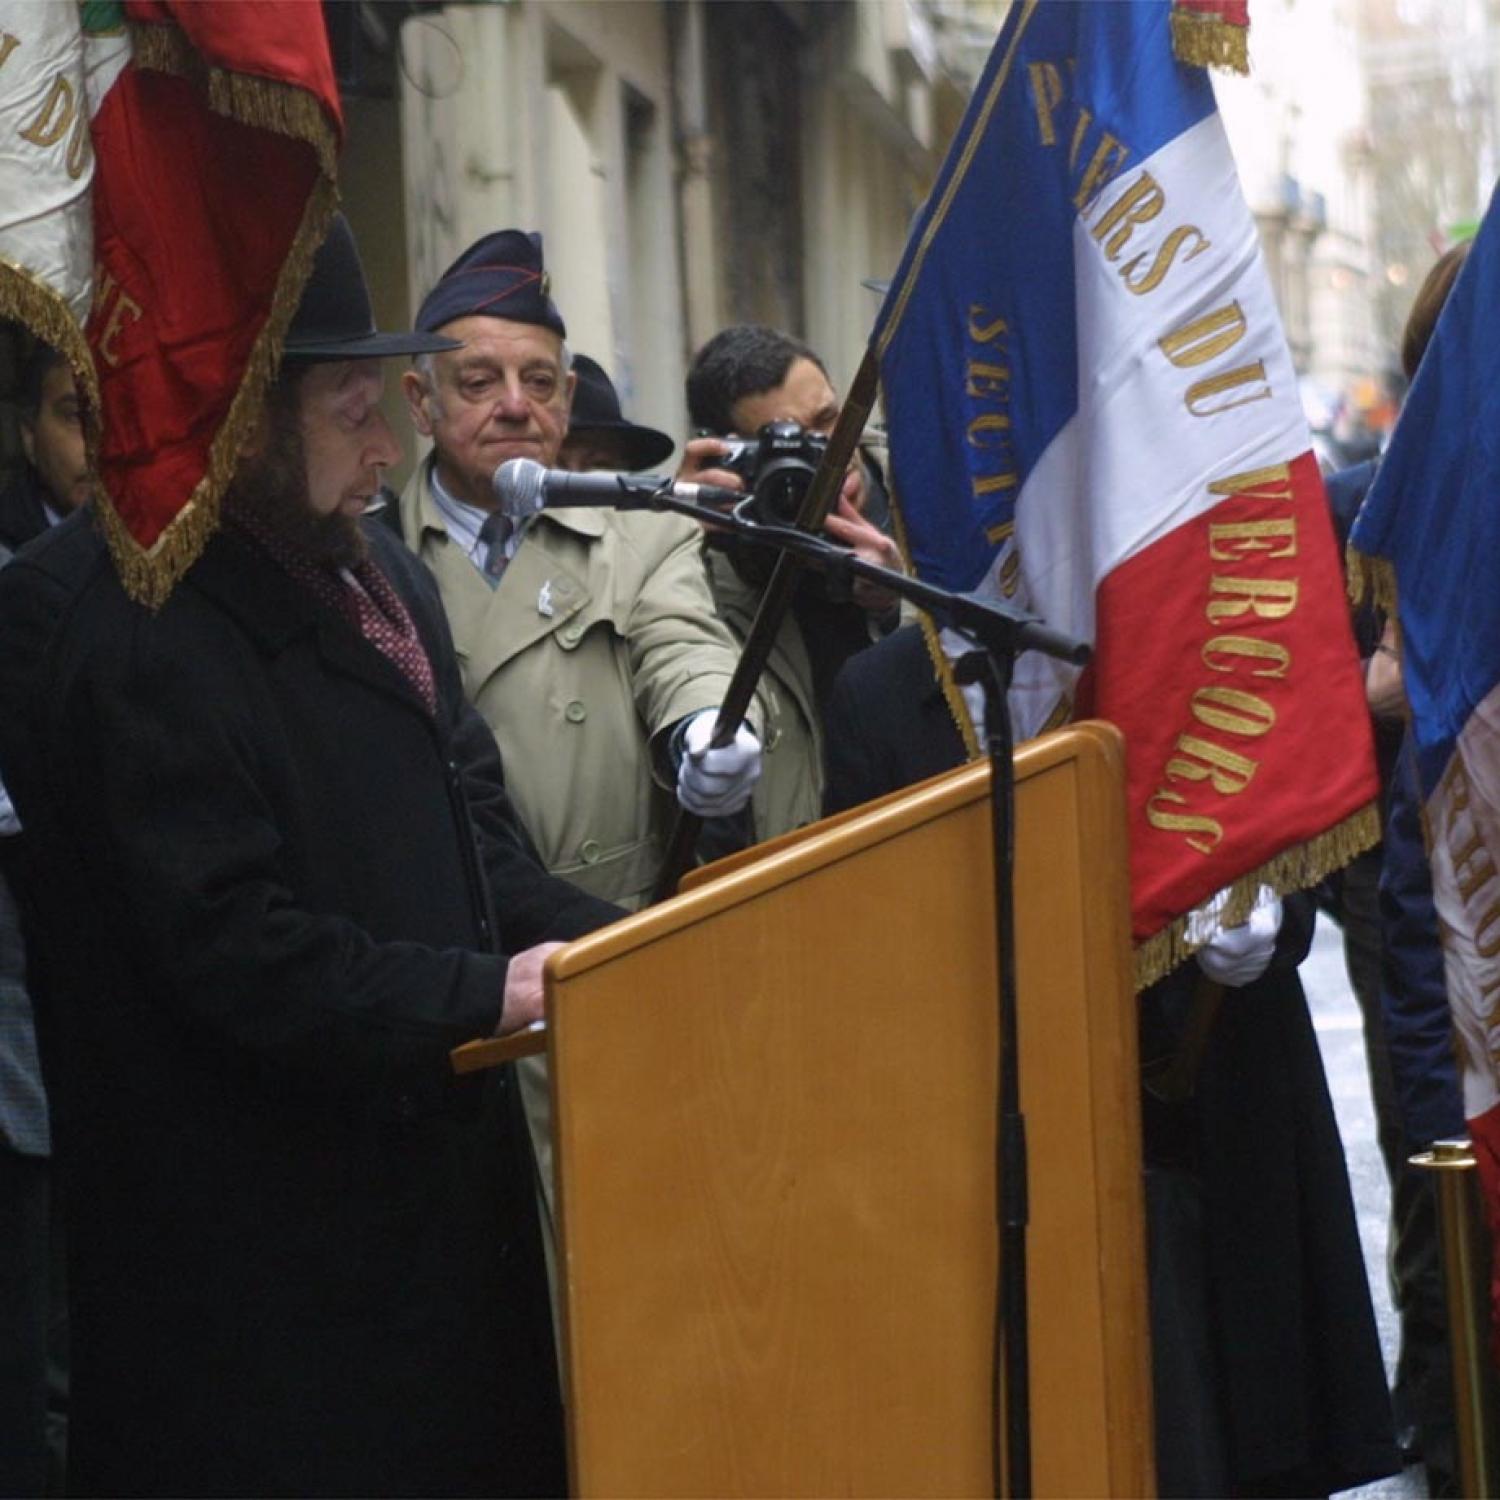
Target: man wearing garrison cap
column 589, row 639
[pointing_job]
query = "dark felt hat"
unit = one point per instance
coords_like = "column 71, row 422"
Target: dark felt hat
column 334, row 320
column 499, row 276
column 596, row 413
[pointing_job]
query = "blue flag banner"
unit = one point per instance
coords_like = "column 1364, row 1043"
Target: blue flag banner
column 1093, row 413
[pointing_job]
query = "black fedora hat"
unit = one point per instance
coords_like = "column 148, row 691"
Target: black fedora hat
column 334, row 320
column 596, row 414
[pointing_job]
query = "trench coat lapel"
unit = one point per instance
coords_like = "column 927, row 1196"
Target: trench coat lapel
column 538, row 594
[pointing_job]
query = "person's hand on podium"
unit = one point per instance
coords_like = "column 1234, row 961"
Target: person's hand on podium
column 524, row 995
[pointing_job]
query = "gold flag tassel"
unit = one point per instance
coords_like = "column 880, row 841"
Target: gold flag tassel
column 1208, row 41
column 1292, row 870
column 1371, row 579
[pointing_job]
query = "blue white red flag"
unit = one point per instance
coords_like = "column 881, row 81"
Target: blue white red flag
column 1093, row 412
column 1427, row 537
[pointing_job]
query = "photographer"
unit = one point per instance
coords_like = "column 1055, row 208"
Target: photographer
column 745, row 377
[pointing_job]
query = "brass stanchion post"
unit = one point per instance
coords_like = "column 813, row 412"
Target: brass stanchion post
column 1466, row 1279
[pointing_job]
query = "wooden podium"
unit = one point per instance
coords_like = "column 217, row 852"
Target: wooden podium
column 774, row 1105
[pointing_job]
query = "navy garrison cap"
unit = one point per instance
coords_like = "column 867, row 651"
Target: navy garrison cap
column 499, row 276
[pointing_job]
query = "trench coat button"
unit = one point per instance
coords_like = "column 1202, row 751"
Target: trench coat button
column 590, row 851
column 570, row 635
column 575, row 712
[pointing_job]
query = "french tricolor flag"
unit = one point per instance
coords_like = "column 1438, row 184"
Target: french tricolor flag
column 1428, row 539
column 1093, row 413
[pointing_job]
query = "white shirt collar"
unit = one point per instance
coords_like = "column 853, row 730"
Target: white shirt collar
column 464, row 521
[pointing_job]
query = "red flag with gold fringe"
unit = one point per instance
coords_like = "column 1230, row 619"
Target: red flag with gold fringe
column 215, row 184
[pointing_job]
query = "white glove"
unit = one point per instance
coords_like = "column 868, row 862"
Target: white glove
column 713, row 783
column 1240, row 955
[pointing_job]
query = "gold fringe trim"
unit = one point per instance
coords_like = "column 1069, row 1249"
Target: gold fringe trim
column 1208, row 42
column 952, row 693
column 1292, row 870
column 26, row 299
column 260, row 102
column 1371, row 579
column 150, row 574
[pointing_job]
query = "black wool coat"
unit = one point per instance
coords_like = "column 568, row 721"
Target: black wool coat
column 304, row 1255
column 888, row 723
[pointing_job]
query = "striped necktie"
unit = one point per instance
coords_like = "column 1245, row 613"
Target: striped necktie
column 493, row 536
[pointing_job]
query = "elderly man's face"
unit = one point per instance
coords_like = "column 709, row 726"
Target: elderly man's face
column 503, row 395
column 346, row 439
column 53, row 442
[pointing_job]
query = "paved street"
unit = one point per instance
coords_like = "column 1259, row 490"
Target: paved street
column 1336, row 1017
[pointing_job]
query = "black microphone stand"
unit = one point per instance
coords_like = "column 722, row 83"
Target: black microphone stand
column 1000, row 634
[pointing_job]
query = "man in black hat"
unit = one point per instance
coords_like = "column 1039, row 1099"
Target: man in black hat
column 305, row 1255
column 599, row 437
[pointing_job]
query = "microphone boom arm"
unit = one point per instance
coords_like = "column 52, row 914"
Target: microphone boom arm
column 986, row 619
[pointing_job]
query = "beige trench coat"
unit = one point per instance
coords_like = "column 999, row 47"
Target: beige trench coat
column 600, row 637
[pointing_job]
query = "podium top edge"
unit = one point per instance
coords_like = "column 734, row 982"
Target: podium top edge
column 1089, row 740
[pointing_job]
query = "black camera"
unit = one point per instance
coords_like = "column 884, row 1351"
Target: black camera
column 777, row 465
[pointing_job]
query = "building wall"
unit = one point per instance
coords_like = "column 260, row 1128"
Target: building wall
column 555, row 118
column 1299, row 129
column 870, row 153
column 370, row 174
column 689, row 164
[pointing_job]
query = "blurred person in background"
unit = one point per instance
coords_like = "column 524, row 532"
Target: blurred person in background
column 53, row 482
column 1383, row 901
column 599, row 437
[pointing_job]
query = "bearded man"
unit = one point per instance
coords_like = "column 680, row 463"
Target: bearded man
column 306, row 1257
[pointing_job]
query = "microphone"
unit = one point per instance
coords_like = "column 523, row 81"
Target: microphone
column 524, row 487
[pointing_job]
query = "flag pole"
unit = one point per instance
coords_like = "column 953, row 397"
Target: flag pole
column 774, row 603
